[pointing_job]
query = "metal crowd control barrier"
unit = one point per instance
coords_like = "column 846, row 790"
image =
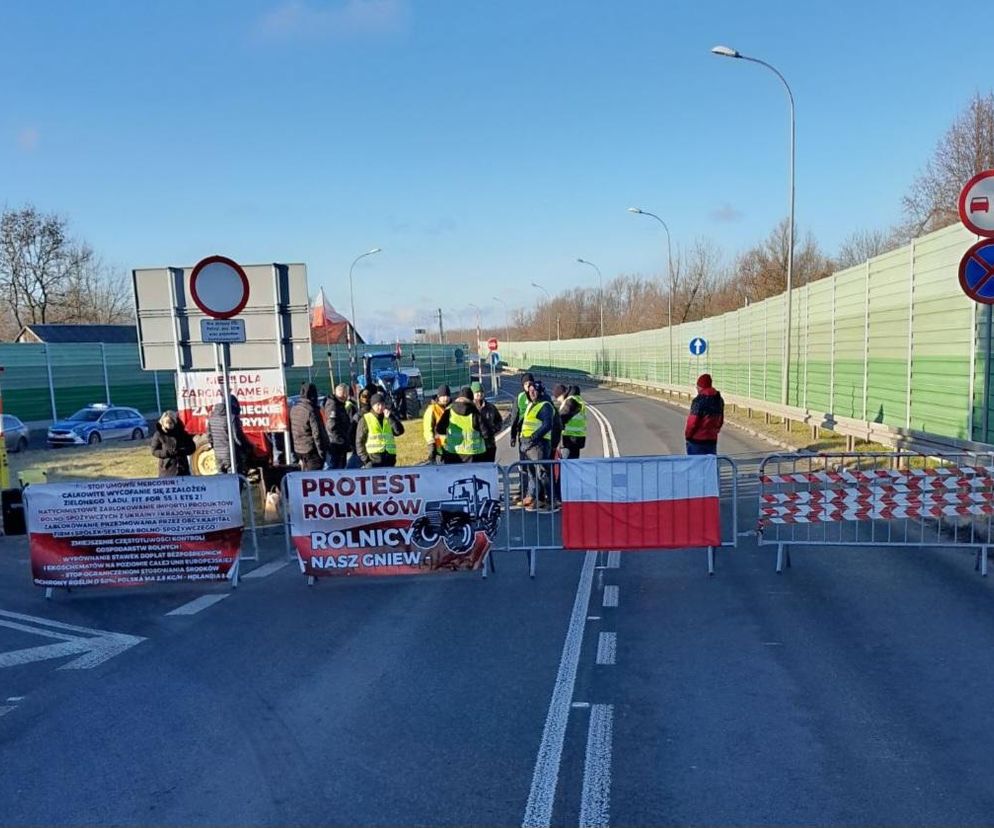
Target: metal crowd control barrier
column 877, row 499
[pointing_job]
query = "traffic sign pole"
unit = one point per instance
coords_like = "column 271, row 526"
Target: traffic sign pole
column 221, row 357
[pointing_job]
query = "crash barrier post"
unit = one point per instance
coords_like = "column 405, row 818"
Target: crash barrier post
column 536, row 526
column 891, row 499
column 650, row 503
column 135, row 532
column 401, row 520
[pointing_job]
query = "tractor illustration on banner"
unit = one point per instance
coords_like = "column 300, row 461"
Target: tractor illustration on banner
column 469, row 508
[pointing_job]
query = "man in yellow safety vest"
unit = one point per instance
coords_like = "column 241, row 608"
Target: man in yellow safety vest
column 463, row 431
column 375, row 432
column 536, row 446
column 573, row 411
column 433, row 413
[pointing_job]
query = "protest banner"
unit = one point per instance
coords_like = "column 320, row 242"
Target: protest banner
column 261, row 396
column 133, row 532
column 395, row 521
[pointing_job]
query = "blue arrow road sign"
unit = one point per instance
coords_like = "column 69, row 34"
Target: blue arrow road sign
column 698, row 345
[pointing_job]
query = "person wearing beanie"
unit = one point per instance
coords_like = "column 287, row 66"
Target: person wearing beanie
column 573, row 411
column 307, row 432
column 433, row 413
column 463, row 432
column 517, row 420
column 492, row 420
column 375, row 443
column 339, row 416
column 707, row 416
column 536, row 445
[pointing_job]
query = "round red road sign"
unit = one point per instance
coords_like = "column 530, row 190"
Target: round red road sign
column 976, row 272
column 976, row 204
column 492, row 343
column 219, row 287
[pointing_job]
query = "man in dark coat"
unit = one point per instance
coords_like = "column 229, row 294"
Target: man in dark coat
column 491, row 418
column 464, row 432
column 339, row 414
column 310, row 440
column 217, row 437
column 707, row 416
column 172, row 445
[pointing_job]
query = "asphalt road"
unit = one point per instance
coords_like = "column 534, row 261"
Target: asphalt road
column 851, row 689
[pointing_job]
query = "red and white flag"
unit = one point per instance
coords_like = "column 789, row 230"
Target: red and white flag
column 641, row 503
column 323, row 314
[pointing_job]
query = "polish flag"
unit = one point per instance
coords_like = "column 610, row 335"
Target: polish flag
column 641, row 503
column 323, row 314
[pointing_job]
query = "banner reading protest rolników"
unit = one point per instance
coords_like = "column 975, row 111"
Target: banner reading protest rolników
column 261, row 395
column 130, row 532
column 396, row 521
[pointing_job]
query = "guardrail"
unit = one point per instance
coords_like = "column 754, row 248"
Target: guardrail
column 895, row 499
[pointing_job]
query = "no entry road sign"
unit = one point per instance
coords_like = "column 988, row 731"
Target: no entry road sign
column 976, row 204
column 976, row 272
column 219, row 287
column 698, row 346
column 492, row 343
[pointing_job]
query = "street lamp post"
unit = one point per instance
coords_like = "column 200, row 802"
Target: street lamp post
column 507, row 318
column 669, row 266
column 600, row 291
column 549, row 300
column 725, row 51
column 352, row 302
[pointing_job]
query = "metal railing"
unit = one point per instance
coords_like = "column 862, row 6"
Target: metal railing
column 876, row 499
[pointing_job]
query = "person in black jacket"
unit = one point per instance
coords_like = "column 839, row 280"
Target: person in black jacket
column 310, row 440
column 374, row 435
column 464, row 432
column 217, row 438
column 172, row 445
column 339, row 416
column 491, row 418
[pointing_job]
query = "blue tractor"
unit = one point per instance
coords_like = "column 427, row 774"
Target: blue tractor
column 383, row 373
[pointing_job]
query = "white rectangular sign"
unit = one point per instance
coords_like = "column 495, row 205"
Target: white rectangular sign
column 222, row 330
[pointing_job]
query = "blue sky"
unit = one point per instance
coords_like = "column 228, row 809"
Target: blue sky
column 483, row 146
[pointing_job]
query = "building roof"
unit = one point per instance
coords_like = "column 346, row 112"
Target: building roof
column 78, row 333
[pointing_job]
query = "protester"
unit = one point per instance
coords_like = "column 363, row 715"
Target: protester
column 375, row 443
column 536, row 445
column 429, row 422
column 521, row 404
column 172, row 445
column 462, row 431
column 493, row 421
column 707, row 416
column 310, row 440
column 217, row 438
column 340, row 425
column 573, row 411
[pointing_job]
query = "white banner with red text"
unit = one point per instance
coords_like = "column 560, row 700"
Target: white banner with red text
column 261, row 395
column 132, row 532
column 641, row 503
column 393, row 521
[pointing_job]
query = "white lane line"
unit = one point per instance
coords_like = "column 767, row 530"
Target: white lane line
column 6, row 709
column 610, row 431
column 607, row 647
column 614, row 560
column 581, row 705
column 15, row 698
column 610, row 596
column 198, row 604
column 542, row 796
column 266, row 570
column 595, row 801
column 593, row 618
column 45, row 622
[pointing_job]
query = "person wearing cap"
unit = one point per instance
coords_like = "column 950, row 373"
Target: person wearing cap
column 462, row 431
column 573, row 411
column 340, row 416
column 707, row 416
column 310, row 440
column 537, row 427
column 433, row 413
column 364, row 402
column 375, row 443
column 491, row 418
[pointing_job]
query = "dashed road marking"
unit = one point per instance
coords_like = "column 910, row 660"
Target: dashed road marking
column 198, row 604
column 610, row 596
column 607, row 646
column 266, row 570
column 614, row 560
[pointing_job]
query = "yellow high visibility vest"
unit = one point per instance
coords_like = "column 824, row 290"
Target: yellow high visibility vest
column 431, row 416
column 523, row 402
column 532, row 423
column 577, row 426
column 379, row 436
column 461, row 437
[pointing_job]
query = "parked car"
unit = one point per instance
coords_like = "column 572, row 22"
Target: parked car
column 96, row 423
column 15, row 434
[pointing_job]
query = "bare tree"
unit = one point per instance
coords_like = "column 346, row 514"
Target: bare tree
column 861, row 245
column 763, row 268
column 966, row 149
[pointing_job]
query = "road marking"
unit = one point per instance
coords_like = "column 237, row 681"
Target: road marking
column 5, row 710
column 607, row 646
column 198, row 604
column 15, row 698
column 614, row 560
column 595, row 801
column 610, row 596
column 93, row 648
column 580, row 705
column 593, row 618
column 266, row 570
column 541, row 798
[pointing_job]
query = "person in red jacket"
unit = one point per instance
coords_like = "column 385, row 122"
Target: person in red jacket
column 707, row 416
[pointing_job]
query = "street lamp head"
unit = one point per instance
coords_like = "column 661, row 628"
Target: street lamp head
column 375, row 250
column 637, row 210
column 536, row 285
column 725, row 51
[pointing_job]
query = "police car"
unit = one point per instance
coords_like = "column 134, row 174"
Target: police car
column 96, row 423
